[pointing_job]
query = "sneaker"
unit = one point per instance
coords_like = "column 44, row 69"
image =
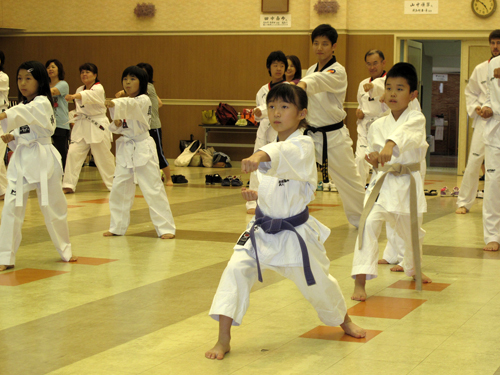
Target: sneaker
column 480, row 194
column 236, row 182
column 226, row 181
column 455, row 192
column 445, row 192
column 320, row 186
column 209, row 179
column 333, row 187
column 216, row 179
column 326, row 186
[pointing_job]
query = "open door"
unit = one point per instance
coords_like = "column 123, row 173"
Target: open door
column 414, row 57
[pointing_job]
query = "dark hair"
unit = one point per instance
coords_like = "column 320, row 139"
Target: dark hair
column 2, row 60
column 406, row 71
column 39, row 73
column 140, row 74
column 495, row 34
column 289, row 94
column 149, row 69
column 91, row 68
column 296, row 63
column 276, row 56
column 373, row 52
column 60, row 69
column 327, row 31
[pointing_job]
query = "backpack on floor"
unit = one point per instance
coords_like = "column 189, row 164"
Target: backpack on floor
column 226, row 114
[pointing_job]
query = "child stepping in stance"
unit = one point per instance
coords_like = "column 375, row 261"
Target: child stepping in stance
column 35, row 164
column 396, row 140
column 136, row 159
column 292, row 243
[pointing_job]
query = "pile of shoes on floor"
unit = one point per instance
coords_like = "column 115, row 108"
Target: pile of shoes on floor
column 212, row 179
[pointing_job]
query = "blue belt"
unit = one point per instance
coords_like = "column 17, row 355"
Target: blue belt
column 273, row 226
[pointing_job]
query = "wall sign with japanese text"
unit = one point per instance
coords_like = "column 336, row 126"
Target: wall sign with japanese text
column 421, row 7
column 275, row 20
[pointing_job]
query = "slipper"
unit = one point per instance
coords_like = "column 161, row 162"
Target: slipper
column 236, row 182
column 431, row 193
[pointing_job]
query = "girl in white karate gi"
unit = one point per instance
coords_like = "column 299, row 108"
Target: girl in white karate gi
column 90, row 131
column 35, row 164
column 136, row 158
column 4, row 104
column 287, row 173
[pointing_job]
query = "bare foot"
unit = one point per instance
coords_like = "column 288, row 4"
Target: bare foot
column 383, row 261
column 251, row 211
column 359, row 288
column 169, row 183
column 109, row 234
column 425, row 279
column 73, row 259
column 4, row 267
column 397, row 268
column 352, row 329
column 461, row 210
column 68, row 191
column 218, row 351
column 492, row 246
column 167, row 236
column 2, row 197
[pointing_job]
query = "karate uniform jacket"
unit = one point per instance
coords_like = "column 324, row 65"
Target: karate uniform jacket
column 369, row 103
column 91, row 123
column 32, row 125
column 409, row 135
column 260, row 100
column 136, row 147
column 4, row 91
column 476, row 91
column 287, row 186
column 492, row 127
column 326, row 90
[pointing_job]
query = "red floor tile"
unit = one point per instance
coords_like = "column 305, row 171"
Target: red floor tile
column 315, row 209
column 337, row 334
column 26, row 275
column 386, row 307
column 407, row 284
column 98, row 201
column 91, row 261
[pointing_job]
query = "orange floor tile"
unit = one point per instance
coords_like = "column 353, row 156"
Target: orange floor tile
column 91, row 261
column 337, row 334
column 74, row 206
column 315, row 209
column 98, row 201
column 408, row 284
column 26, row 275
column 386, row 307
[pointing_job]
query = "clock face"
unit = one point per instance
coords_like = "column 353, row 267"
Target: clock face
column 484, row 8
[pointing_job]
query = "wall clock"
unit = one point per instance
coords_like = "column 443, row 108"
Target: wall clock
column 484, row 8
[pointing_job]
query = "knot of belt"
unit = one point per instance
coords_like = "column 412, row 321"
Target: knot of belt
column 129, row 144
column 273, row 226
column 324, row 158
column 398, row 170
column 42, row 163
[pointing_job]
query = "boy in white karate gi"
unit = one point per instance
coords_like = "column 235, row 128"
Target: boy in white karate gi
column 491, row 203
column 476, row 92
column 277, row 65
column 326, row 85
column 396, row 145
column 136, row 159
column 291, row 246
column 4, row 104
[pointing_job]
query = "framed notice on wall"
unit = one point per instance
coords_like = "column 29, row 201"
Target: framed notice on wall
column 275, row 6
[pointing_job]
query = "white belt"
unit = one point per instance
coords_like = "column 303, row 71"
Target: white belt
column 42, row 157
column 129, row 145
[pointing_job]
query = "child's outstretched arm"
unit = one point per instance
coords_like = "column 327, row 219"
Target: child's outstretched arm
column 372, row 158
column 249, row 195
column 6, row 138
column 251, row 164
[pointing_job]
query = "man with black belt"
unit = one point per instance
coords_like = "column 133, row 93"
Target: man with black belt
column 326, row 85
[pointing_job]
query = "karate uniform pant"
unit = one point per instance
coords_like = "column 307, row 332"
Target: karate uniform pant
column 265, row 135
column 103, row 158
column 365, row 259
column 3, row 170
column 361, row 163
column 491, row 202
column 122, row 195
column 470, row 181
column 55, row 215
column 232, row 296
column 343, row 171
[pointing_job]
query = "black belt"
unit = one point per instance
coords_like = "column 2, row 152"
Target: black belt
column 273, row 226
column 324, row 130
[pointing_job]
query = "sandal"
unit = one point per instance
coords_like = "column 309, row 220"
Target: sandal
column 431, row 193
